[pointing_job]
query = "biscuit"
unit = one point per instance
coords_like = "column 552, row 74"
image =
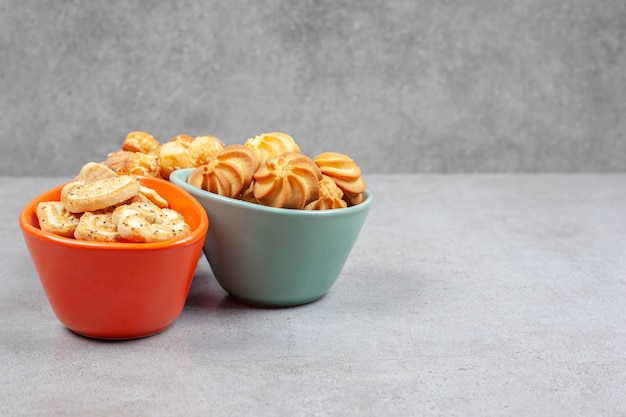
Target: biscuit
column 346, row 174
column 248, row 194
column 97, row 227
column 174, row 155
column 331, row 196
column 175, row 222
column 139, row 222
column 146, row 209
column 204, row 148
column 291, row 180
column 101, row 194
column 100, row 202
column 183, row 139
column 270, row 145
column 228, row 174
column 153, row 196
column 137, row 163
column 141, row 142
column 93, row 171
column 54, row 218
column 67, row 188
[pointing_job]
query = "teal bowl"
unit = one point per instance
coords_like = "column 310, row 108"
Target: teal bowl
column 272, row 256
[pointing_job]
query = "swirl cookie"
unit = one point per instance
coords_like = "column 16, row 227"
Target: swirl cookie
column 331, row 196
column 228, row 174
column 291, row 180
column 269, row 145
column 346, row 174
column 248, row 194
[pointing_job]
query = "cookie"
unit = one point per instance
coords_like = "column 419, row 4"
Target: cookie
column 270, row 145
column 331, row 196
column 146, row 223
column 141, row 142
column 291, row 180
column 228, row 174
column 97, row 227
column 101, row 194
column 346, row 174
column 54, row 218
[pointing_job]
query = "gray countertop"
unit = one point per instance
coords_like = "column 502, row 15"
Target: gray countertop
column 464, row 295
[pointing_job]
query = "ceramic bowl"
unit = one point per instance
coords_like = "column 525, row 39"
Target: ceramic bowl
column 272, row 256
column 114, row 290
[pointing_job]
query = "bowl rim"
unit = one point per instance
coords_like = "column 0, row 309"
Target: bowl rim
column 196, row 234
column 179, row 177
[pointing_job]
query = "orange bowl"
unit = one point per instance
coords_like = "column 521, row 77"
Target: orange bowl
column 115, row 290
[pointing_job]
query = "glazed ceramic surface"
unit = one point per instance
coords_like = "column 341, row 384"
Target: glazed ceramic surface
column 272, row 256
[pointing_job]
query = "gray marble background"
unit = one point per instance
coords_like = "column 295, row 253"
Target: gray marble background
column 400, row 86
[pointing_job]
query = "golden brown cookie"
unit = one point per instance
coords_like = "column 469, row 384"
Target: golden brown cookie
column 97, row 227
column 98, row 195
column 248, row 194
column 54, row 218
column 93, row 171
column 174, row 155
column 229, row 173
column 204, row 148
column 331, row 196
column 346, row 174
column 140, row 222
column 174, row 221
column 141, row 142
column 269, row 145
column 291, row 180
column 146, row 209
column 137, row 163
column 90, row 172
column 153, row 196
column 183, row 139
column 67, row 188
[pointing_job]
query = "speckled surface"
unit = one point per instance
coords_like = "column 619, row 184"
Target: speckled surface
column 401, row 86
column 465, row 295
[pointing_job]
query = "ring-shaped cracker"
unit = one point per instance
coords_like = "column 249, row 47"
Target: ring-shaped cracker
column 145, row 222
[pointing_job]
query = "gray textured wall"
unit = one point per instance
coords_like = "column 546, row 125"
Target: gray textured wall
column 401, row 86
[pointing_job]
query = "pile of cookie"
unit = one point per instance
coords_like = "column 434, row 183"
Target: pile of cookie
column 142, row 154
column 268, row 169
column 100, row 205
